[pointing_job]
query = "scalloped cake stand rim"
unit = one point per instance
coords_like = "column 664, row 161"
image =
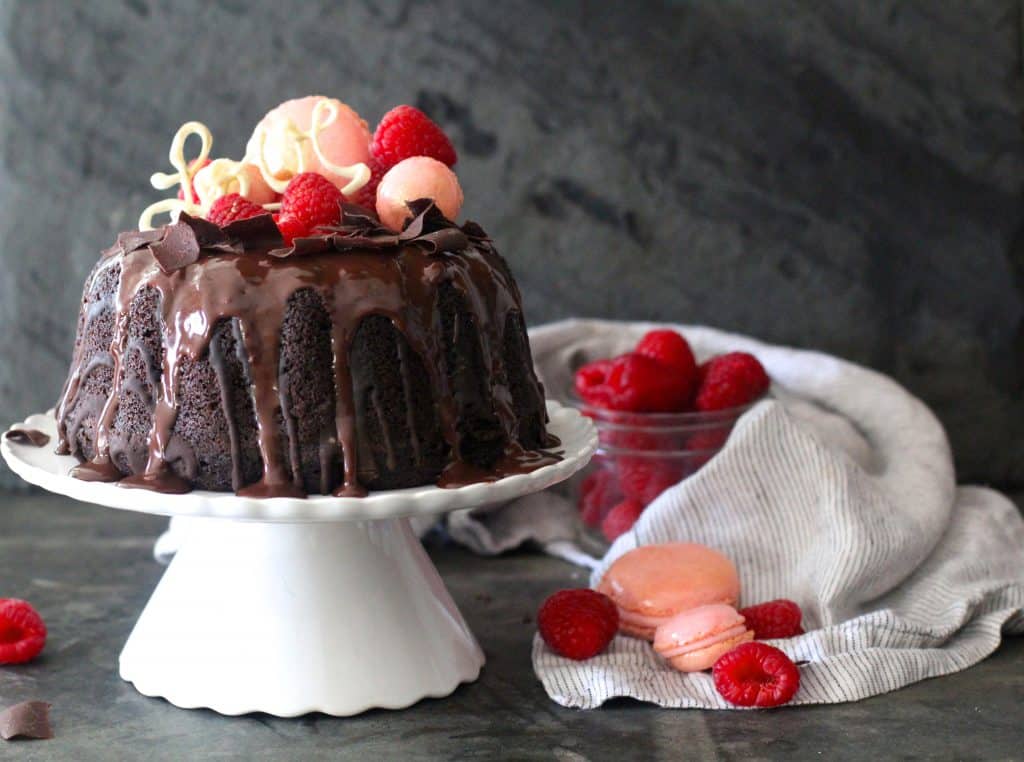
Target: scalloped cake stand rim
column 42, row 467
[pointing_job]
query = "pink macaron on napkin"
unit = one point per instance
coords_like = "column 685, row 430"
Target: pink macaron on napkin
column 838, row 493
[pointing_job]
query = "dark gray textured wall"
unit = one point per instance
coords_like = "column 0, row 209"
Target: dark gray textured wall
column 841, row 175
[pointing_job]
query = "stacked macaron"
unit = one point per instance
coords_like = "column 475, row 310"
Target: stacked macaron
column 692, row 640
column 682, row 597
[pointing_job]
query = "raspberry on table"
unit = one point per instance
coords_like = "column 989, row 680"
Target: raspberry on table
column 233, row 207
column 731, row 380
column 22, row 631
column 756, row 674
column 310, row 201
column 404, row 132
column 774, row 619
column 621, row 518
column 578, row 624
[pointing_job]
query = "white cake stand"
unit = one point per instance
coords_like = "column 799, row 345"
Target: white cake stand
column 289, row 606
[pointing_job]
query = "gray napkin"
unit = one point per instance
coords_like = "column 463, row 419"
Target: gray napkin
column 840, row 494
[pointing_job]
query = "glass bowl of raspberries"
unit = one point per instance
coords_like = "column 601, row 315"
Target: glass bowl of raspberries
column 660, row 416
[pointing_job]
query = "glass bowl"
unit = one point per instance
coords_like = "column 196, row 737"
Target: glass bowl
column 639, row 456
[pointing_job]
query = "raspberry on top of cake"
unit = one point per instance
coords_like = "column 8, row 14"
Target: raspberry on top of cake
column 312, row 319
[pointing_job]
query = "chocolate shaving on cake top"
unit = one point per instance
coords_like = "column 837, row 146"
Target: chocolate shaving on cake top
column 361, row 229
column 182, row 243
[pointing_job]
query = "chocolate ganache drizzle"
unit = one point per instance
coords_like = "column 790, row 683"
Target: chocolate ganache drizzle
column 242, row 276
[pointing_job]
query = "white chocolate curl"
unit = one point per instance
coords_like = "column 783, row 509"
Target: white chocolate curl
column 223, row 176
column 186, row 170
column 281, row 149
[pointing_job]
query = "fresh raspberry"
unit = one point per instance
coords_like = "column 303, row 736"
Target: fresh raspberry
column 291, row 228
column 631, row 382
column 367, row 195
column 191, row 185
column 590, row 383
column 756, row 674
column 671, row 350
column 704, row 445
column 730, row 381
column 774, row 619
column 598, row 492
column 579, row 623
column 22, row 631
column 709, row 439
column 233, row 207
column 404, row 132
column 621, row 518
column 310, row 201
column 644, row 477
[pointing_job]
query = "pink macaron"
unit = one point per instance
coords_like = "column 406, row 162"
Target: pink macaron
column 653, row 583
column 693, row 640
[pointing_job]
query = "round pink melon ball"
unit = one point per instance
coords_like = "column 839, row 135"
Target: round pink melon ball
column 415, row 178
column 344, row 142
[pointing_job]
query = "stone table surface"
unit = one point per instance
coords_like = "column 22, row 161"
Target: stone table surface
column 90, row 570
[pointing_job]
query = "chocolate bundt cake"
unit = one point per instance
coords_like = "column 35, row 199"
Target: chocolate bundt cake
column 358, row 358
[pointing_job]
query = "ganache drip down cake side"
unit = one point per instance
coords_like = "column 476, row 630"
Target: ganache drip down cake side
column 277, row 339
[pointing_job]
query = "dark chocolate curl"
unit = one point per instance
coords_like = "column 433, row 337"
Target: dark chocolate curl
column 259, row 232
column 474, row 231
column 29, row 719
column 178, row 248
column 302, row 247
column 359, row 217
column 33, row 437
column 448, row 239
column 134, row 240
column 209, row 235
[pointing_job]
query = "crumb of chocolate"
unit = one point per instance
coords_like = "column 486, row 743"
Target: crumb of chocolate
column 29, row 719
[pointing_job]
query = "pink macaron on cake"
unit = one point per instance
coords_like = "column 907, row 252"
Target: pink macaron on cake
column 693, row 640
column 653, row 583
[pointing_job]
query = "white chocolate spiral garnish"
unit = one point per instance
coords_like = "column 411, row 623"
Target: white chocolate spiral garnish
column 290, row 146
column 186, row 170
column 219, row 178
column 224, row 176
column 358, row 174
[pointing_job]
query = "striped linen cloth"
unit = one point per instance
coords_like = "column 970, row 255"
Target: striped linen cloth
column 838, row 493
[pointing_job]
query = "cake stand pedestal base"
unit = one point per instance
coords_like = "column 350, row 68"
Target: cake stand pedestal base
column 294, row 605
column 291, row 618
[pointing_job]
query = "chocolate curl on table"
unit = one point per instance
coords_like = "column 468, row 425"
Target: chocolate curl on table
column 29, row 719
